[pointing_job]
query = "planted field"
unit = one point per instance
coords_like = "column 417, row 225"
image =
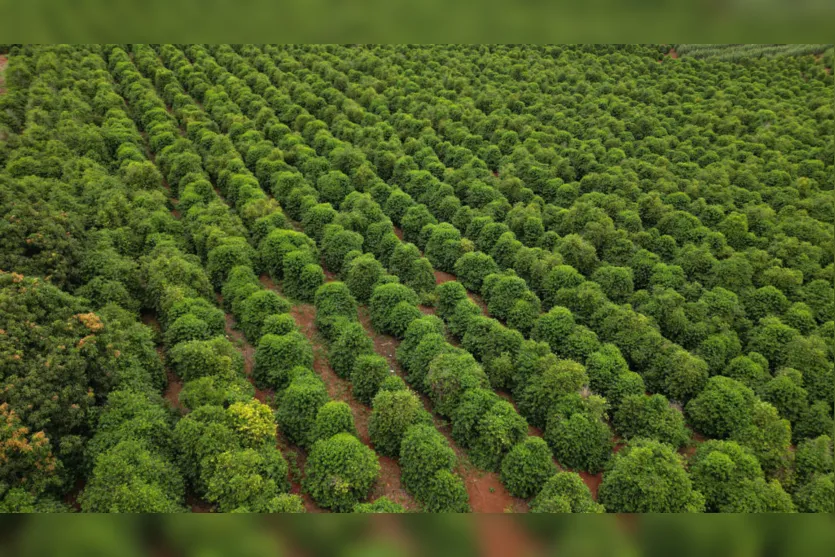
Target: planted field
column 240, row 278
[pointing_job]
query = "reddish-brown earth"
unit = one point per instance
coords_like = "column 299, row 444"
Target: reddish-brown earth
column 247, row 350
column 340, row 389
column 504, row 536
column 427, row 310
column 172, row 391
column 4, row 61
column 485, row 490
column 398, row 232
column 175, row 384
column 71, row 498
column 592, row 481
column 442, row 277
column 696, row 439
column 329, row 276
column 198, row 505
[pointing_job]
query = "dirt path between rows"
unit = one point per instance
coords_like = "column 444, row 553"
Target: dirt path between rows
column 485, row 490
column 341, row 389
column 4, row 62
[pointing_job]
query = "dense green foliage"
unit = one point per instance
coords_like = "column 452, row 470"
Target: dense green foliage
column 640, row 241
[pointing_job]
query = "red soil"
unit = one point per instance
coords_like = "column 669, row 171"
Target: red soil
column 340, row 389
column 268, row 283
column 4, row 61
column 398, row 232
column 175, row 384
column 198, row 505
column 673, row 54
column 248, row 353
column 389, row 485
column 442, row 277
column 696, row 439
column 485, row 490
column 427, row 310
column 592, row 481
column 502, row 536
column 71, row 498
column 487, row 494
column 172, row 391
column 310, row 505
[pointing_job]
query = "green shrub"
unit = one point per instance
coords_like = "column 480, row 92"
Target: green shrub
column 580, row 344
column 813, row 456
column 466, row 311
column 616, row 282
column 234, row 251
column 186, row 328
column 132, row 479
column 581, row 441
column 747, row 371
column 450, row 376
column 384, row 299
column 275, row 247
column 401, row 316
column 393, row 413
column 317, row 218
column 648, row 476
column 362, row 275
column 246, row 480
column 334, row 302
column 604, row 367
column 333, row 417
column 285, row 503
column 336, row 244
column 544, row 389
column 202, row 309
column 731, row 480
column 651, row 417
column 351, row 342
column 498, row 430
column 216, row 391
column 449, row 295
column 444, row 247
column 298, row 407
column 527, row 466
column 240, row 283
column 473, row 267
column 724, row 406
column 201, row 358
column 524, row 314
column 785, row 391
column 445, row 492
column 393, row 383
column 474, row 405
column 561, row 276
column 486, row 338
column 382, row 505
column 565, row 492
column 255, row 310
column 340, row 472
column 367, row 375
column 334, row 186
column 276, row 356
column 279, row 324
column 303, row 276
column 817, row 496
column 554, row 327
column 423, row 452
